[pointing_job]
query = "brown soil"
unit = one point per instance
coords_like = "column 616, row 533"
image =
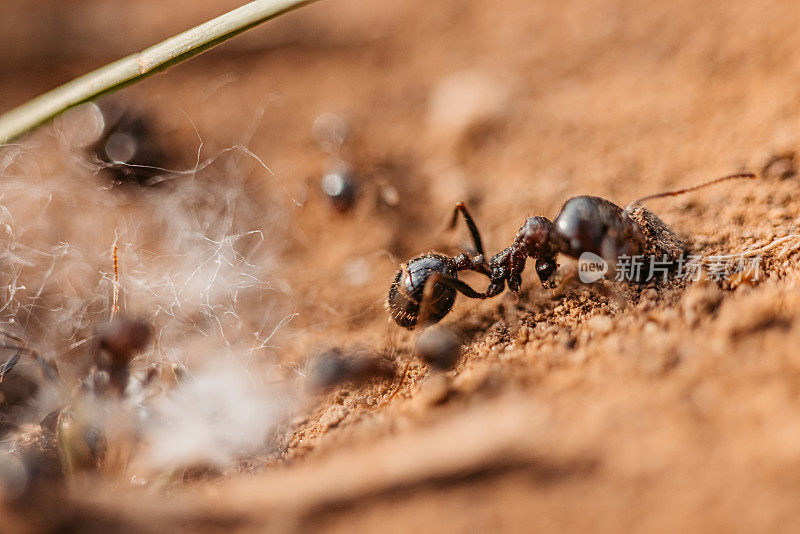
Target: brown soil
column 678, row 411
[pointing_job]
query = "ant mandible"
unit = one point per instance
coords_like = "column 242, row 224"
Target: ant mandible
column 425, row 288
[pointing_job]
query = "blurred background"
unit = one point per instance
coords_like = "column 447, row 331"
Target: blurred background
column 261, row 197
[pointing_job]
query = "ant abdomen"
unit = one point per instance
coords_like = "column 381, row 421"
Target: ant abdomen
column 406, row 291
column 596, row 225
column 659, row 241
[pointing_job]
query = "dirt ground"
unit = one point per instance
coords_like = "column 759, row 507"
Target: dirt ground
column 677, row 410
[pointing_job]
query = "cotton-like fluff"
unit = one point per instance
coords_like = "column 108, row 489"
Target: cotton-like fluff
column 192, row 258
column 212, row 418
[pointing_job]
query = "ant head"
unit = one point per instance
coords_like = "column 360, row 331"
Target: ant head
column 537, row 238
column 123, row 338
column 405, row 293
column 506, row 267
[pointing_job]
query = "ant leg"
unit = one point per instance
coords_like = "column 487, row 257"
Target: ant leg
column 473, row 229
column 10, row 364
column 440, row 346
column 423, row 317
column 14, row 360
column 399, row 383
column 9, row 335
column 49, row 370
column 545, row 267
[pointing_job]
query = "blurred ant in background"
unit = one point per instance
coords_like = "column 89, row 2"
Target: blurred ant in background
column 20, row 348
column 71, row 438
column 335, row 367
column 120, row 139
column 424, row 290
column 339, row 184
column 349, row 173
column 118, row 343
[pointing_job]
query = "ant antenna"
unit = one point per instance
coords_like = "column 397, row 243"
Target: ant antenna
column 749, row 175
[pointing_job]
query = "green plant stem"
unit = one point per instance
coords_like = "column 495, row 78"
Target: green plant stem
column 136, row 67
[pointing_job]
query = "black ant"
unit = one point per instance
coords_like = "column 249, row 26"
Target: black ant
column 335, row 367
column 127, row 147
column 424, row 289
column 339, row 183
column 118, row 343
column 340, row 186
